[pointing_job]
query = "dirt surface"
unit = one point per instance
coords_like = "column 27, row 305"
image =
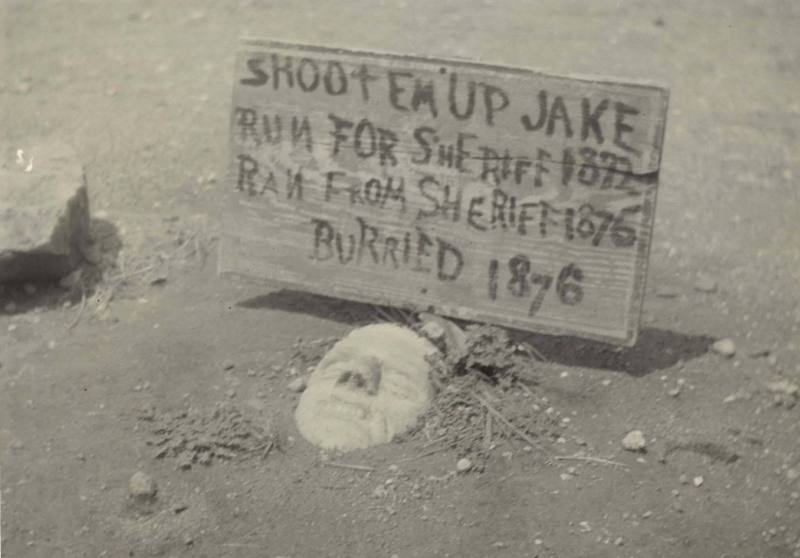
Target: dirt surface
column 141, row 91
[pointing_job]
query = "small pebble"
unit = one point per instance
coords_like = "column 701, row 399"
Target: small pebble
column 463, row 465
column 432, row 331
column 724, row 347
column 674, row 392
column 792, row 474
column 634, row 441
column 228, row 365
column 667, row 292
column 297, row 385
column 142, row 487
column 783, row 386
column 705, row 283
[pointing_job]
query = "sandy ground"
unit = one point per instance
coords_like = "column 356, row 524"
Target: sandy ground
column 141, row 90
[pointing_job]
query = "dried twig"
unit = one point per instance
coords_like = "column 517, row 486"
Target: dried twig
column 349, row 466
column 382, row 313
column 504, row 420
column 534, row 352
column 124, row 276
column 487, row 432
column 429, row 443
column 423, row 455
column 80, row 311
column 578, row 457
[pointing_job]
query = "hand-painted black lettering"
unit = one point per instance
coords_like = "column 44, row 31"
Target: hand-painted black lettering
column 364, row 78
column 541, row 119
column 449, row 261
column 335, row 79
column 570, row 293
column 323, row 237
column 423, row 135
column 621, row 128
column 519, row 266
column 340, row 125
column 495, row 100
column 590, row 121
column 259, row 76
column 278, row 69
column 395, row 89
column 423, row 95
column 308, row 74
column 474, row 213
column 368, row 234
column 453, row 104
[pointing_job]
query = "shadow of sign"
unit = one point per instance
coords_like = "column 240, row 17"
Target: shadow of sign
column 656, row 349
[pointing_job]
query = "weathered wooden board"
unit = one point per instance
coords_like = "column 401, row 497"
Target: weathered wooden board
column 487, row 193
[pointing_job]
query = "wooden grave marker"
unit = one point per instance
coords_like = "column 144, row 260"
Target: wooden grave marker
column 483, row 192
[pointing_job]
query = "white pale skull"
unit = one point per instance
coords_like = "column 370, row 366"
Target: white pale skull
column 371, row 386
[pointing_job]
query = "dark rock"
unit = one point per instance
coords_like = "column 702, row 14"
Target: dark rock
column 44, row 213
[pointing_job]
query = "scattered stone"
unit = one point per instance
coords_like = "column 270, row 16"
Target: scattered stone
column 647, row 514
column 697, row 481
column 297, row 385
column 44, row 214
column 159, row 279
column 455, row 338
column 674, row 392
column 228, row 365
column 705, row 283
column 634, row 441
column 463, row 465
column 724, row 347
column 784, row 387
column 738, row 396
column 683, row 479
column 619, row 541
column 433, row 331
column 142, row 487
column 667, row 292
column 792, row 474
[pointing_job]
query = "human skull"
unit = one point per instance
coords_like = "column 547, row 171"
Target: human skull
column 371, row 386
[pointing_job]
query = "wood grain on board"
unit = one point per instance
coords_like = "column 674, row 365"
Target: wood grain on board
column 486, row 193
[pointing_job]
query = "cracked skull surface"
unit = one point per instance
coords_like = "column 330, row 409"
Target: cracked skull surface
column 371, row 386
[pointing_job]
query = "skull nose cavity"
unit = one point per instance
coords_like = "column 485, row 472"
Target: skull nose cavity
column 358, row 381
